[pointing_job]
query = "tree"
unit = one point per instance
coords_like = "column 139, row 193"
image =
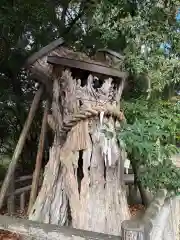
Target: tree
column 83, row 174
column 136, row 28
column 154, row 85
column 26, row 26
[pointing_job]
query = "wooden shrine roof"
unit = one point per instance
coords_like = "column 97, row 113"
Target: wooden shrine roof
column 95, row 67
column 41, row 63
column 44, row 51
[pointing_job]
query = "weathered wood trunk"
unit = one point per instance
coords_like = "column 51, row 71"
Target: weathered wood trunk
column 82, row 174
column 171, row 230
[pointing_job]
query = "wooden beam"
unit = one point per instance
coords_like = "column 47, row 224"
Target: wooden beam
column 43, row 52
column 20, row 145
column 21, row 190
column 34, row 230
column 24, row 178
column 11, row 199
column 22, row 201
column 111, row 52
column 39, row 157
column 41, row 78
column 87, row 66
column 128, row 178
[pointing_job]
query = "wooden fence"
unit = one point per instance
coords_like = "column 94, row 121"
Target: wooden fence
column 18, row 190
column 22, row 191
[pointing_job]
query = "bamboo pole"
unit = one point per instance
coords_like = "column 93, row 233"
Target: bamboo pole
column 39, row 157
column 20, row 145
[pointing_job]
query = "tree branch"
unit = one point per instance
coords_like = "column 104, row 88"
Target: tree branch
column 73, row 22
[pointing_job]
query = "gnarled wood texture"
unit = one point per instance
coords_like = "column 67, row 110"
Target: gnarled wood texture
column 80, row 174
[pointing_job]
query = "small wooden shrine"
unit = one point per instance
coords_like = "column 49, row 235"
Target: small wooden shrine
column 83, row 181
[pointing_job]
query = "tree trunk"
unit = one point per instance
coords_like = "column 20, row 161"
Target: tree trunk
column 146, row 196
column 81, row 173
column 51, row 203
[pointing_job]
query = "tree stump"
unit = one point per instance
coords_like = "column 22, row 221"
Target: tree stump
column 83, row 177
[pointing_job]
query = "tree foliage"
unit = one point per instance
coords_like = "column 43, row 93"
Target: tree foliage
column 26, row 26
column 141, row 29
column 147, row 32
column 150, row 138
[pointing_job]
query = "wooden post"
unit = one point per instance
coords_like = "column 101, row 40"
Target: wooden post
column 22, row 201
column 20, row 145
column 39, row 157
column 132, row 230
column 10, row 200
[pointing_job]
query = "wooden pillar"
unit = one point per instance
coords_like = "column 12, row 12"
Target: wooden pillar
column 20, row 145
column 22, row 201
column 11, row 198
column 36, row 175
column 132, row 230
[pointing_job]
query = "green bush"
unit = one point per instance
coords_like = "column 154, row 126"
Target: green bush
column 150, row 137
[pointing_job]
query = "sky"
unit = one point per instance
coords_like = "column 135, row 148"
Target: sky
column 167, row 46
column 178, row 16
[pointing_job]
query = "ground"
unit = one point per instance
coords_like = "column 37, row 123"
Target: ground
column 5, row 235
